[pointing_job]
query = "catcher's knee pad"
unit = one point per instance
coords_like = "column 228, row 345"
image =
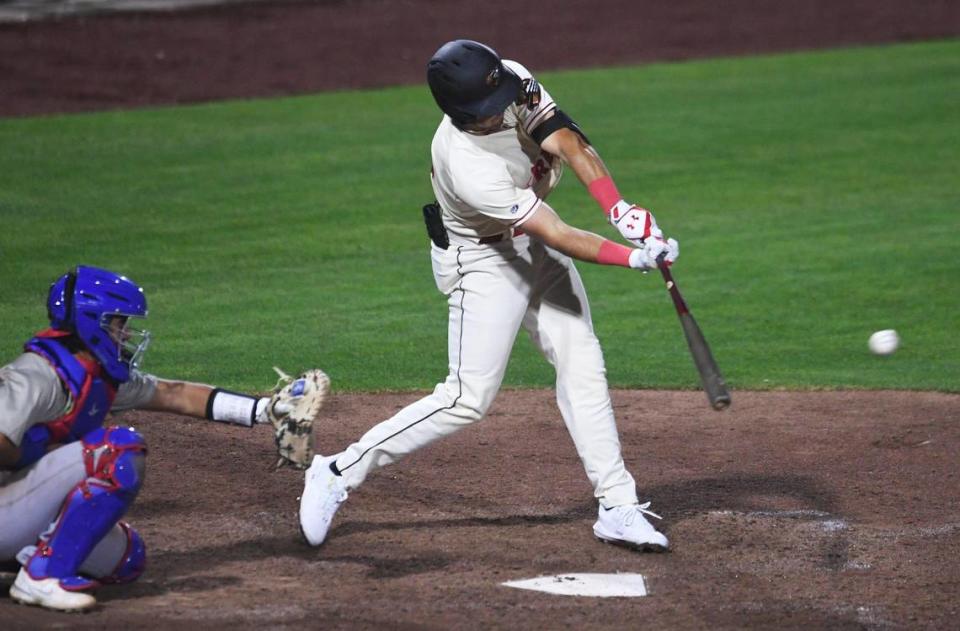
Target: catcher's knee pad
column 132, row 562
column 114, row 461
column 115, row 456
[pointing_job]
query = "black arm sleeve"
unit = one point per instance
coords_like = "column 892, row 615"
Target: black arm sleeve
column 555, row 122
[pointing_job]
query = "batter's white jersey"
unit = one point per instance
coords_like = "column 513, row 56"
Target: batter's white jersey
column 486, row 184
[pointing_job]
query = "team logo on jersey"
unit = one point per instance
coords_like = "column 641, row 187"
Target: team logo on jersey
column 493, row 79
column 514, row 209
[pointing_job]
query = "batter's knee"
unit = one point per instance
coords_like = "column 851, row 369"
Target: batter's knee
column 467, row 401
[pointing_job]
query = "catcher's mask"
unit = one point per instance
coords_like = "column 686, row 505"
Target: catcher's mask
column 98, row 306
column 469, row 81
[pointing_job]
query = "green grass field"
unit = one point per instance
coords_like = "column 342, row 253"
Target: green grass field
column 815, row 197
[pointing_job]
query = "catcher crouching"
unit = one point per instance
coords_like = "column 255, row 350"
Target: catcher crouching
column 68, row 473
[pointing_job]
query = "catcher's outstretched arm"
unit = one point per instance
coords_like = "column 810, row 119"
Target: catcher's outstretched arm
column 180, row 397
column 203, row 401
column 292, row 409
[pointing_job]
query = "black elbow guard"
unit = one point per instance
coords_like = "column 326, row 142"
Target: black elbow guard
column 555, row 122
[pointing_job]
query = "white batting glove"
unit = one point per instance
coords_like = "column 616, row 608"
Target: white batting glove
column 639, row 226
column 634, row 223
column 645, row 257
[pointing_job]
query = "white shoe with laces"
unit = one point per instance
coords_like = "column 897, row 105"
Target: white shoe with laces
column 626, row 526
column 47, row 592
column 323, row 493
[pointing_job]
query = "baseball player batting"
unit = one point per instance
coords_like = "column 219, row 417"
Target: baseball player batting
column 502, row 257
column 66, row 479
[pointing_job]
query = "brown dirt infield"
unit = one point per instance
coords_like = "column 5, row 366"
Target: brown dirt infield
column 790, row 510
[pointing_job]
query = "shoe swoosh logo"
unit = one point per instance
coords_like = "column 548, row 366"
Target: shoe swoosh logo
column 43, row 588
column 46, row 589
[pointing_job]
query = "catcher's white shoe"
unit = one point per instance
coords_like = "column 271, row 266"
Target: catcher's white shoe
column 627, row 526
column 47, row 592
column 323, row 493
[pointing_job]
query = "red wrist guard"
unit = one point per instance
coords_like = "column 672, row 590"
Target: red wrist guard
column 614, row 254
column 605, row 192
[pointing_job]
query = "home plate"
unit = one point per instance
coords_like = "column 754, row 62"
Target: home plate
column 597, row 585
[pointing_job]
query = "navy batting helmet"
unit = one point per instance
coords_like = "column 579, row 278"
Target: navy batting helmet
column 469, row 81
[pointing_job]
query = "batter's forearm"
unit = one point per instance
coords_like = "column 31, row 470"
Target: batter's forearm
column 546, row 226
column 582, row 158
column 592, row 248
column 588, row 166
column 578, row 244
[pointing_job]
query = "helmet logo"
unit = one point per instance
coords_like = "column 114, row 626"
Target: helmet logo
column 493, row 79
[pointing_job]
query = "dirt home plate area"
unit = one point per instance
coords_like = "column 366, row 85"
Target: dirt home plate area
column 814, row 510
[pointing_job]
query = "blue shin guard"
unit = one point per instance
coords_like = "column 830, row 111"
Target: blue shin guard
column 114, row 459
column 133, row 561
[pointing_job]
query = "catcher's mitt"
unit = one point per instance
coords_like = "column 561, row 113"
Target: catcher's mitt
column 292, row 410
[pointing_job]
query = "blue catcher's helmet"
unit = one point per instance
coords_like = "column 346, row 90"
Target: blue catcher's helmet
column 86, row 301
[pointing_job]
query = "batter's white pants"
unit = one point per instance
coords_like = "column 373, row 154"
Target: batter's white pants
column 31, row 498
column 492, row 291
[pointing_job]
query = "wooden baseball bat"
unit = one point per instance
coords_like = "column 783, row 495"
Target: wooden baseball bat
column 710, row 377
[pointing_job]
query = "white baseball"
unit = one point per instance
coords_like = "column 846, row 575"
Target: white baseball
column 884, row 342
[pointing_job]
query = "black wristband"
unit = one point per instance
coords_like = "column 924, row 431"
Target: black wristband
column 213, row 395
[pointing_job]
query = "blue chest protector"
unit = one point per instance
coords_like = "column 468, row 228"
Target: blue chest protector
column 91, row 391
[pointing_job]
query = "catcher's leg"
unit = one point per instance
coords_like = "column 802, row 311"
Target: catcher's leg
column 31, row 498
column 50, row 576
column 120, row 557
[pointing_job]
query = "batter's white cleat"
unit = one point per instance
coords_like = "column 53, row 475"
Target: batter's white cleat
column 323, row 493
column 47, row 592
column 627, row 526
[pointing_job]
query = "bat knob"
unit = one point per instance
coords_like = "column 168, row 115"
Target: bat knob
column 722, row 403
